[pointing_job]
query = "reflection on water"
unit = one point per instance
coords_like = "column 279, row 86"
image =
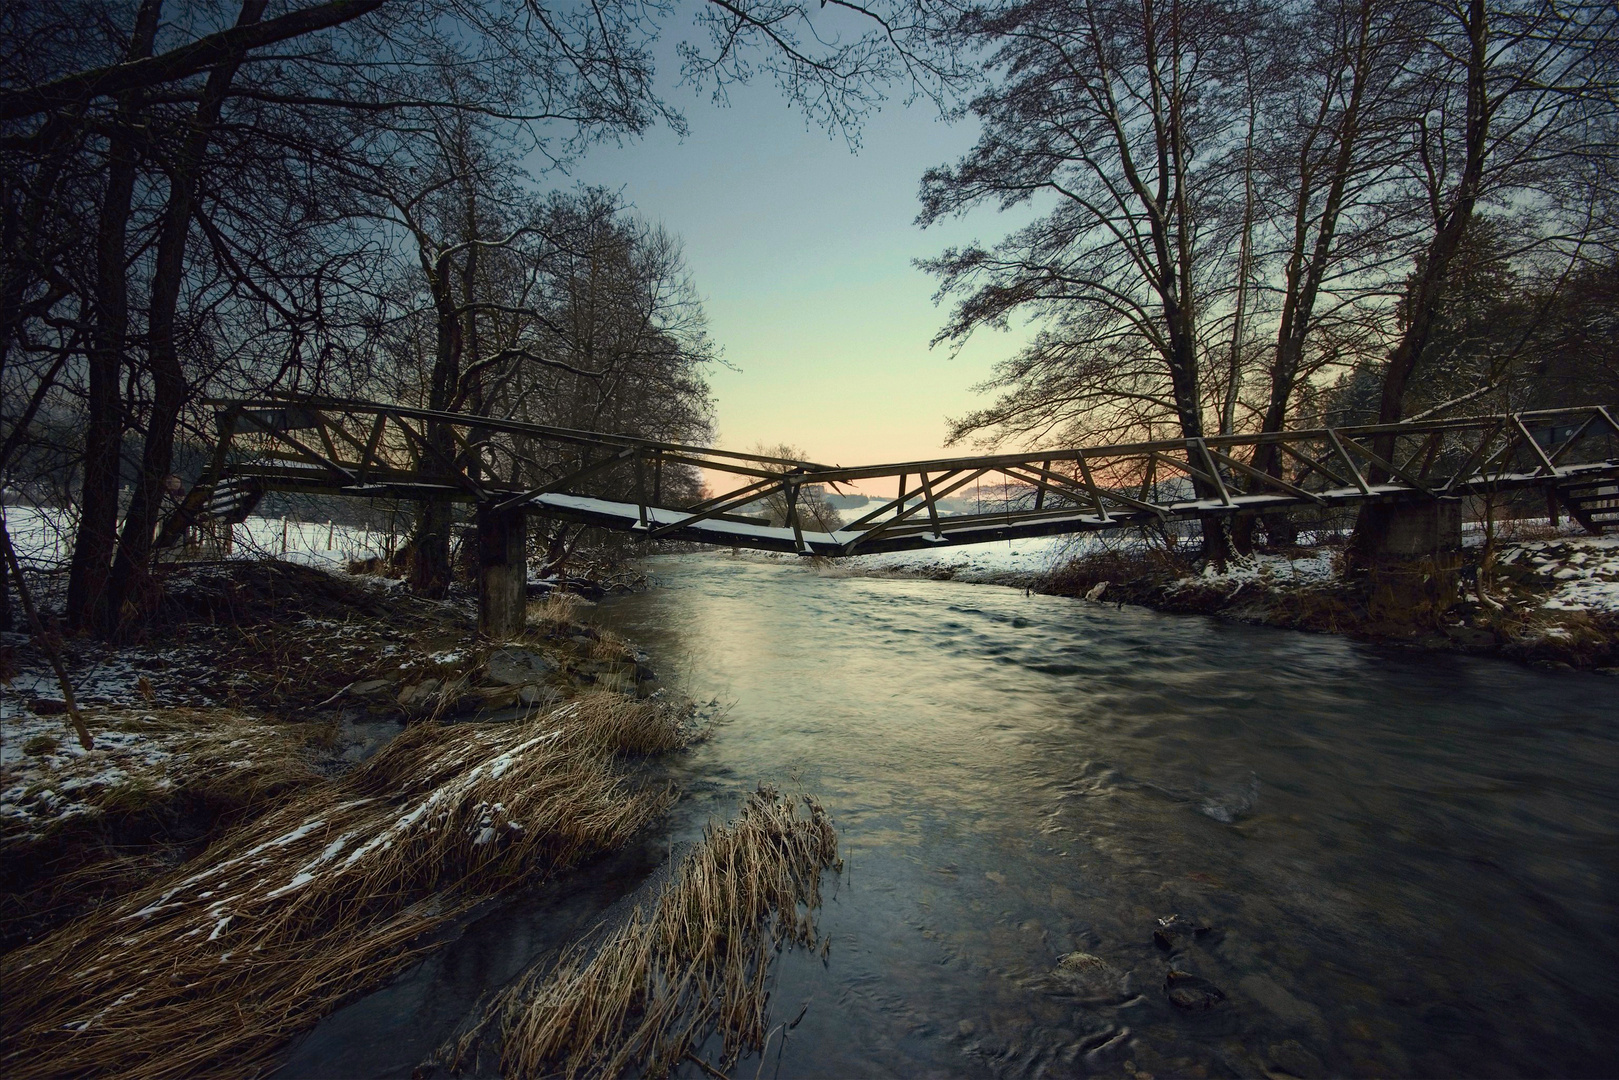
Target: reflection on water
column 1407, row 860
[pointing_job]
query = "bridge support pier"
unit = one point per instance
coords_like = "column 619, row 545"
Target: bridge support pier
column 502, row 571
column 1412, row 555
column 1406, row 530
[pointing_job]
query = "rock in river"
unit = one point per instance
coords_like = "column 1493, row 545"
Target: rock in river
column 1191, row 992
column 1175, row 931
column 1090, row 978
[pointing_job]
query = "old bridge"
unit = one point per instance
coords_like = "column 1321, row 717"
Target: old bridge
column 510, row 469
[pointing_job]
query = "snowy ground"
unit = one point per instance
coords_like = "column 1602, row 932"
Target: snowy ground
column 46, row 777
column 1031, row 556
column 1582, row 571
column 1311, row 568
column 1571, row 571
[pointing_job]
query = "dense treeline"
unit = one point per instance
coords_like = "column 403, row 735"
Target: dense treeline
column 1242, row 198
column 239, row 196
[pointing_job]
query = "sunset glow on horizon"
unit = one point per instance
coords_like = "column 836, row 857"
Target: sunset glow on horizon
column 802, row 250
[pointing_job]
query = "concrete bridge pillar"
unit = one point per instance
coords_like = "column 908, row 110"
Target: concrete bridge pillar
column 502, row 571
column 1407, row 530
column 1412, row 554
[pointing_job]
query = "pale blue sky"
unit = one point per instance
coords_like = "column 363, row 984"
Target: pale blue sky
column 802, row 250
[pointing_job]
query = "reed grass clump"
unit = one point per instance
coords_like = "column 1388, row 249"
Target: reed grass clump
column 558, row 610
column 626, row 725
column 209, row 970
column 697, row 963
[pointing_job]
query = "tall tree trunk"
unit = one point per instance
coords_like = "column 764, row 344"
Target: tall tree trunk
column 1449, row 229
column 97, row 537
column 1372, row 523
column 1307, row 264
column 430, row 570
column 169, row 389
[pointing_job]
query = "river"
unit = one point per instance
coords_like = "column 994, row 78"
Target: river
column 1408, row 861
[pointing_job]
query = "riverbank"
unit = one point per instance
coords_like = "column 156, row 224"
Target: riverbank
column 301, row 781
column 297, row 778
column 1550, row 597
column 1550, row 602
column 251, row 677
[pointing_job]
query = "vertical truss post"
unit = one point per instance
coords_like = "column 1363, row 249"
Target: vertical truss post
column 1354, row 470
column 790, row 489
column 1214, row 471
column 1090, row 484
column 371, row 445
column 933, row 509
column 640, row 488
column 1040, row 492
column 1545, row 462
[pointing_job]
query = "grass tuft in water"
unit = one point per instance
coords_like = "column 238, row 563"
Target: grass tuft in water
column 695, row 965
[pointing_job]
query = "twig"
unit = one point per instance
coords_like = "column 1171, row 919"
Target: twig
column 706, row 1067
column 337, row 695
column 764, row 1051
column 45, row 642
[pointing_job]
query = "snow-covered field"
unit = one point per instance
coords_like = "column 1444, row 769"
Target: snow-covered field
column 44, row 537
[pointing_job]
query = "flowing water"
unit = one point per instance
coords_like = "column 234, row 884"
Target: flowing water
column 1408, row 861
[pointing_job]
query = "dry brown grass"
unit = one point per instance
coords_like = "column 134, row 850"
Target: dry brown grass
column 210, row 970
column 556, row 610
column 159, row 787
column 696, row 964
column 630, row 726
column 610, row 647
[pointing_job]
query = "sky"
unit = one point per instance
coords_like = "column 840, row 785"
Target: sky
column 802, row 250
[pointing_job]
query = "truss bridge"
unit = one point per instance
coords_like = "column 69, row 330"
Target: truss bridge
column 509, row 469
column 619, row 481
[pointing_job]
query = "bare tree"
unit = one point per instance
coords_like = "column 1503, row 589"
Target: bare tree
column 1333, row 222
column 338, row 93
column 1106, row 110
column 1121, row 115
column 1507, row 112
column 1512, row 108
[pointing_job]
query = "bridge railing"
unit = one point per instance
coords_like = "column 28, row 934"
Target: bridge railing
column 655, row 487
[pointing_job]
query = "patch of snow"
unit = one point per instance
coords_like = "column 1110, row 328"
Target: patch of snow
column 299, row 880
column 1273, row 570
column 1585, row 570
column 1030, row 556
